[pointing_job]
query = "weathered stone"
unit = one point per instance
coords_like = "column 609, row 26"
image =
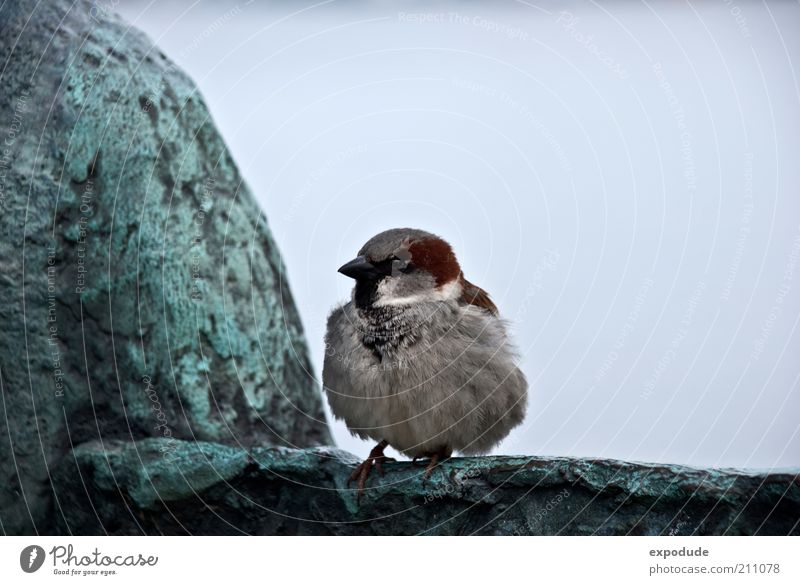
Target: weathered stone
column 204, row 488
column 141, row 293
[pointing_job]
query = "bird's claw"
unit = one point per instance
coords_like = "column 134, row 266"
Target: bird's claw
column 434, row 460
column 361, row 473
column 431, row 466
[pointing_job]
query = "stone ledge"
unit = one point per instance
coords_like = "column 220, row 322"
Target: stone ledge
column 155, row 486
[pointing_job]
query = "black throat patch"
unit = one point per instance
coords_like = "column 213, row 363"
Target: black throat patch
column 387, row 330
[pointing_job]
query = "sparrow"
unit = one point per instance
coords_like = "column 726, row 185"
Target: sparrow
column 419, row 358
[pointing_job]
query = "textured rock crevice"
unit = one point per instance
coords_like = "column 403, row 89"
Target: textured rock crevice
column 206, row 488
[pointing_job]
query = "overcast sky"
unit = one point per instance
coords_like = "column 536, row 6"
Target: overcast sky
column 622, row 178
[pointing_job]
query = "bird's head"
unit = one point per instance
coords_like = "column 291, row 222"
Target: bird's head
column 404, row 266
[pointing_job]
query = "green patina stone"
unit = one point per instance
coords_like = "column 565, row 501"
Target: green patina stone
column 221, row 489
column 127, row 229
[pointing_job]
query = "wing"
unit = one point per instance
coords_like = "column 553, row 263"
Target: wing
column 475, row 295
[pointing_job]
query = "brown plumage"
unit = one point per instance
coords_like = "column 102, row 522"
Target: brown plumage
column 437, row 257
column 475, row 295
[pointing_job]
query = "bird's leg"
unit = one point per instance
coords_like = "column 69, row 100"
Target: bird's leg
column 436, row 458
column 431, row 466
column 376, row 458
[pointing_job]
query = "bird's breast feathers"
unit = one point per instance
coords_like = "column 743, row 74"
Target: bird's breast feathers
column 389, row 349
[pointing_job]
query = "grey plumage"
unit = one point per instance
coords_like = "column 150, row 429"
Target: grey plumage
column 409, row 360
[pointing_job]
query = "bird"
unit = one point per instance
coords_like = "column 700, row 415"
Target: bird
column 419, row 359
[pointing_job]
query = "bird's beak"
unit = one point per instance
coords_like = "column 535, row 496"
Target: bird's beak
column 359, row 267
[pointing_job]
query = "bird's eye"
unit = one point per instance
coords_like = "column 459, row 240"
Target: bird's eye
column 400, row 265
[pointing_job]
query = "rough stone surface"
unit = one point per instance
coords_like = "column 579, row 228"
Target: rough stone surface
column 141, row 293
column 205, row 488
